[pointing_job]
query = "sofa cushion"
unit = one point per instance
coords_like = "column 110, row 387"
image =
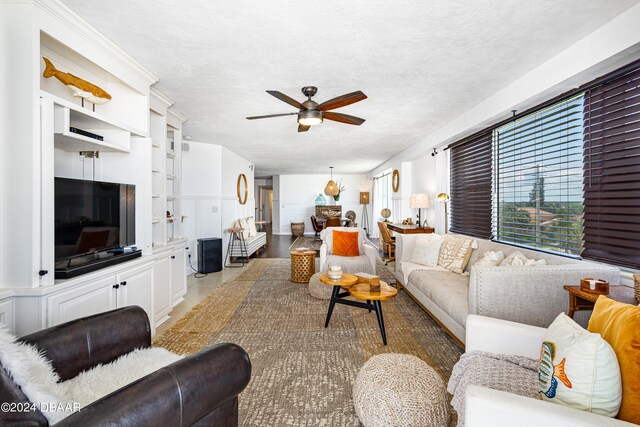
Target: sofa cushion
column 327, row 237
column 491, row 258
column 579, row 369
column 447, row 290
column 518, row 259
column 345, row 243
column 242, row 223
column 251, row 222
column 619, row 325
column 455, row 253
column 425, row 251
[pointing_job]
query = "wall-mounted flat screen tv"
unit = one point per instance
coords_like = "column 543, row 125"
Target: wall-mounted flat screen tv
column 92, row 216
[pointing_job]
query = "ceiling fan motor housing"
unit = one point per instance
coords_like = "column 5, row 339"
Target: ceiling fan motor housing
column 309, row 91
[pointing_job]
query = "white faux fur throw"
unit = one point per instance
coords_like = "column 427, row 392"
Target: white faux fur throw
column 39, row 382
column 91, row 385
column 35, row 376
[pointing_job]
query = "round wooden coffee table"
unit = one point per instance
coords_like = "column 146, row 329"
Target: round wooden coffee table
column 386, row 292
column 349, row 282
column 303, row 265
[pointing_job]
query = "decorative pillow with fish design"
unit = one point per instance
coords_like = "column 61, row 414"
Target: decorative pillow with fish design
column 579, row 369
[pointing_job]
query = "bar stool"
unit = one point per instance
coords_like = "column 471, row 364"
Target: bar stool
column 236, row 240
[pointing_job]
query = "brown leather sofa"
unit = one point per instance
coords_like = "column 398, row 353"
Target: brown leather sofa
column 199, row 390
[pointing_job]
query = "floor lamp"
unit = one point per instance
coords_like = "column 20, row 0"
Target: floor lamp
column 364, row 201
column 444, row 198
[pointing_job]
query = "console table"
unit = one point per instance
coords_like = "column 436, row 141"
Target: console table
column 410, row 229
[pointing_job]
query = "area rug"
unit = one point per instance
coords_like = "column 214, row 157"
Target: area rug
column 306, row 242
column 303, row 373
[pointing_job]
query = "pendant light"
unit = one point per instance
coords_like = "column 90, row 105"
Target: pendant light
column 332, row 188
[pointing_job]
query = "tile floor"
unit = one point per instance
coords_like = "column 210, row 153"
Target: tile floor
column 197, row 290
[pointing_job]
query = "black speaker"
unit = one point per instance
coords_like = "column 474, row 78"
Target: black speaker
column 209, row 255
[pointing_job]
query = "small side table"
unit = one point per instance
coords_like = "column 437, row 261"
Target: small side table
column 303, row 265
column 581, row 300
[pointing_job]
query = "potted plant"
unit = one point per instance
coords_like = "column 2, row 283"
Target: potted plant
column 340, row 190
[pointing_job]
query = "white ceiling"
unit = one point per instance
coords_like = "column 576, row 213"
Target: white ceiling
column 421, row 63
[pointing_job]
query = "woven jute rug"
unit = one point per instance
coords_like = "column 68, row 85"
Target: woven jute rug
column 302, row 373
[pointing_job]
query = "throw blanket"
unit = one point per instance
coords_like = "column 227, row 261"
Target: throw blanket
column 513, row 374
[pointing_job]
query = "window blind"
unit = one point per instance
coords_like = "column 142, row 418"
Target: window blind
column 612, row 171
column 471, row 186
column 538, row 179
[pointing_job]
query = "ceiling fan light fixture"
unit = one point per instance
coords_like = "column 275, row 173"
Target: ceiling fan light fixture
column 310, row 117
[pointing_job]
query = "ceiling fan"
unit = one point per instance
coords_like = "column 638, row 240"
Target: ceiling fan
column 311, row 113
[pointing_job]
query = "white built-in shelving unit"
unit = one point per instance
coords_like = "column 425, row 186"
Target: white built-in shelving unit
column 38, row 145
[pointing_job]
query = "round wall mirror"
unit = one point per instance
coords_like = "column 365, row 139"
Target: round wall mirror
column 243, row 189
column 395, row 180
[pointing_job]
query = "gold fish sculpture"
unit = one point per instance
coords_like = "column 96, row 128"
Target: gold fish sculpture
column 81, row 88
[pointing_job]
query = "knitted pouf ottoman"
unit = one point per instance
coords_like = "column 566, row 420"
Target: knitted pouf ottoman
column 318, row 289
column 400, row 390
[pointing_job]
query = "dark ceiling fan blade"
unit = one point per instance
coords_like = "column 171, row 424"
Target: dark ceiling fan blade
column 342, row 101
column 284, row 98
column 303, row 128
column 343, row 118
column 270, row 115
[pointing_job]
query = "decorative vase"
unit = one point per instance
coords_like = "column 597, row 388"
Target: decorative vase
column 320, row 200
column 336, row 198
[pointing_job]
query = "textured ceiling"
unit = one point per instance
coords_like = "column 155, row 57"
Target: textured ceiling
column 420, row 62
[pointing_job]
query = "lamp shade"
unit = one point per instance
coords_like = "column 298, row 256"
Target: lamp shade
column 331, row 189
column 419, row 201
column 443, row 197
column 364, row 197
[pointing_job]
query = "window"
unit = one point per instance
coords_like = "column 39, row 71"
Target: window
column 538, row 179
column 565, row 178
column 612, row 171
column 471, row 187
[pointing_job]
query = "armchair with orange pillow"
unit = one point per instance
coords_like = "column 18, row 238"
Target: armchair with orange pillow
column 349, row 248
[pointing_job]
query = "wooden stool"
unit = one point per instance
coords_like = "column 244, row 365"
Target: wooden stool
column 236, row 240
column 303, row 265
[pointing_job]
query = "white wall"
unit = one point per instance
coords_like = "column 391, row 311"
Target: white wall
column 209, row 193
column 232, row 166
column 297, row 194
column 607, row 48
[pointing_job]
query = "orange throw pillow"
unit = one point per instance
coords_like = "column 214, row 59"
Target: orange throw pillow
column 619, row 325
column 345, row 243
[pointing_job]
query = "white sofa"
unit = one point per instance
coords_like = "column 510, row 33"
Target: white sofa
column 530, row 295
column 365, row 263
column 253, row 244
column 485, row 407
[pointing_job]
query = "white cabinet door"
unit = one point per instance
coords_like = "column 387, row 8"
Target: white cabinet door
column 178, row 278
column 6, row 314
column 162, row 288
column 136, row 288
column 82, row 300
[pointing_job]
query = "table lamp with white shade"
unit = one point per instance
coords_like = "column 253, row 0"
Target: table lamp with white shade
column 419, row 201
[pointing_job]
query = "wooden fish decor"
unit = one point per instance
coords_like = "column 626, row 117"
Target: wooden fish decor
column 81, row 88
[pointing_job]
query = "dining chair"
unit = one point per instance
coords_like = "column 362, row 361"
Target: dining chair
column 388, row 242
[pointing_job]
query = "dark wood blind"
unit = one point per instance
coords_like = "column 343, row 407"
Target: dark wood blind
column 471, row 165
column 611, row 177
